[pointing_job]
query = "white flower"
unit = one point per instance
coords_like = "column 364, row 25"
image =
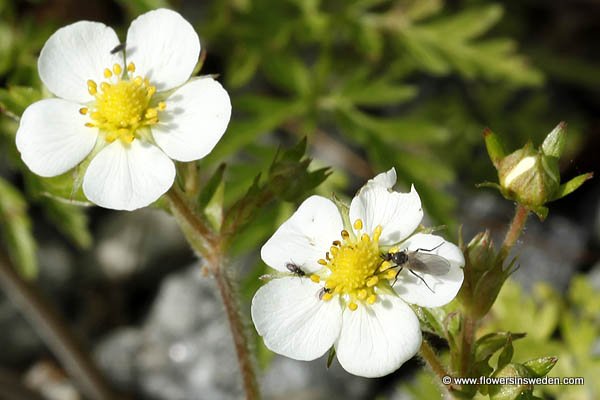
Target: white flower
column 134, row 107
column 342, row 296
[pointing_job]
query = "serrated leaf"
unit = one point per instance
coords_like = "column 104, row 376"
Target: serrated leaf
column 16, row 230
column 288, row 178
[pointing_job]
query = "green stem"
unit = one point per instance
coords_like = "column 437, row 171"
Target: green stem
column 53, row 331
column 467, row 344
column 238, row 332
column 514, row 231
column 209, row 246
column 433, row 361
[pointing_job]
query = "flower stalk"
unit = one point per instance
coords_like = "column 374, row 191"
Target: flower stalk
column 208, row 245
column 515, row 229
column 432, row 360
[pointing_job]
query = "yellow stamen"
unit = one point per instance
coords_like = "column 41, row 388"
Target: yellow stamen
column 322, row 262
column 372, row 298
column 358, row 224
column 352, row 306
column 326, row 296
column 372, row 281
column 385, row 266
column 362, row 294
column 122, row 105
column 315, row 278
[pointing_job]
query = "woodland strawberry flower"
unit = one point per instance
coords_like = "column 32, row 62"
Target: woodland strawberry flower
column 131, row 111
column 343, row 293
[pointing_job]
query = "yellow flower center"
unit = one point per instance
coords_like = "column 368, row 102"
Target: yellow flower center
column 123, row 104
column 356, row 267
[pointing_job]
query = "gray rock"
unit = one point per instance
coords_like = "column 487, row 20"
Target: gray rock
column 130, row 240
column 184, row 351
column 548, row 251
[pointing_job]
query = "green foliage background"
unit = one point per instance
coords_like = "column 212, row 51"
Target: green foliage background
column 371, row 84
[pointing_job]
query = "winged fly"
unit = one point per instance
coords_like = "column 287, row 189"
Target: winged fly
column 418, row 261
column 295, row 269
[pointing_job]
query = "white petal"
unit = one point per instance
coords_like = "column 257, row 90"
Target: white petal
column 74, row 54
column 164, row 48
column 127, row 177
column 385, row 179
column 443, row 288
column 305, row 237
column 52, row 137
column 399, row 214
column 293, row 321
column 196, row 117
column 376, row 340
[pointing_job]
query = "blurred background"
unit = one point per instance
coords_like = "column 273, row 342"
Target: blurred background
column 372, row 84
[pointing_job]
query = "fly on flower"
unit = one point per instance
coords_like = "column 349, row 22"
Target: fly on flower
column 420, row 260
column 351, row 298
column 295, row 269
column 130, row 111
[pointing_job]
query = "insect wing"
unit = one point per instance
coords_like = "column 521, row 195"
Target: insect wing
column 427, row 263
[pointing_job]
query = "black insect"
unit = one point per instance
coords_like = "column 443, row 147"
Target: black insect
column 417, row 261
column 295, row 269
column 321, row 292
column 118, row 48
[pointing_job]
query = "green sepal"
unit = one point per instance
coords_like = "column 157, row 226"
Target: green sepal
column 494, row 147
column 540, row 366
column 554, row 144
column 572, row 185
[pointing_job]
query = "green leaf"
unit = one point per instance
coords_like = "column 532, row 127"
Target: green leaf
column 288, row 72
column 264, row 114
column 210, row 187
column 378, row 92
column 242, row 66
column 469, row 23
column 288, row 178
column 572, row 185
column 16, row 99
column 70, row 220
column 399, row 131
column 16, row 230
column 489, row 344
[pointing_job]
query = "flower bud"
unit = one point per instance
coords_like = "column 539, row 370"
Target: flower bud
column 530, row 176
column 508, row 391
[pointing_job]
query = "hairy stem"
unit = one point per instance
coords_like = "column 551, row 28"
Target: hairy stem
column 514, row 230
column 432, row 360
column 53, row 331
column 238, row 332
column 209, row 245
column 467, row 344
